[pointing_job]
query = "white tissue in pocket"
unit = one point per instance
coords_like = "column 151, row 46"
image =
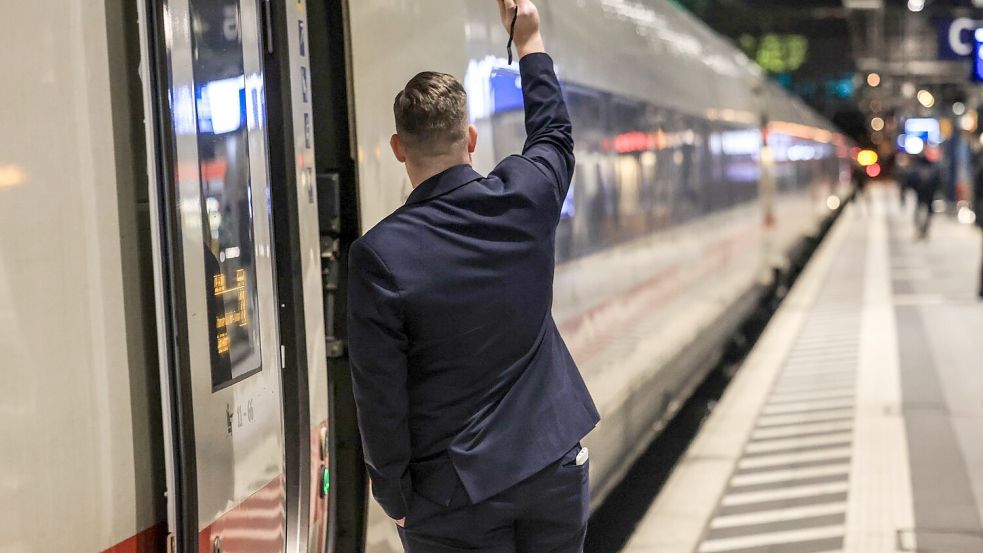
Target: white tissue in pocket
column 583, row 456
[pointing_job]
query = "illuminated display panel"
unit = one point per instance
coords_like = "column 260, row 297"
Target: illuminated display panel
column 223, row 107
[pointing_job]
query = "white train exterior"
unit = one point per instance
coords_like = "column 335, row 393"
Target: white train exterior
column 179, row 180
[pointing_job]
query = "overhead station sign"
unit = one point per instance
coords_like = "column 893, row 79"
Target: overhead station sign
column 956, row 37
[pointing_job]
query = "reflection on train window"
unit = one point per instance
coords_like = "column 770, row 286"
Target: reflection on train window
column 642, row 167
column 221, row 100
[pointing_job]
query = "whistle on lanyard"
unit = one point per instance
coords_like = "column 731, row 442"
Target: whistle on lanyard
column 515, row 18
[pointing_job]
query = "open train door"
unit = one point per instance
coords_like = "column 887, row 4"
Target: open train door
column 237, row 262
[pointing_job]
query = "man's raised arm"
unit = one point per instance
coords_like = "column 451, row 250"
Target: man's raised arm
column 549, row 133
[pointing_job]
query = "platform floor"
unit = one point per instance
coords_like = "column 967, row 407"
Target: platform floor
column 856, row 423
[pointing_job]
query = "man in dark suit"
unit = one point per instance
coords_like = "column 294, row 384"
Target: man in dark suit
column 471, row 408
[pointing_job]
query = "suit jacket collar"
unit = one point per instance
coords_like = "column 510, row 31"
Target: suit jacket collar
column 442, row 183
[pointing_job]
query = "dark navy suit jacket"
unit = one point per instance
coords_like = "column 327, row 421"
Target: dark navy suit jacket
column 460, row 374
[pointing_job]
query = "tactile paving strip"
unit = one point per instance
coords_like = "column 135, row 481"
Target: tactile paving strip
column 788, row 493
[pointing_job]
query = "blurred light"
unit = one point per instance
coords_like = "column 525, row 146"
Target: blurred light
column 875, row 105
column 877, row 124
column 479, row 81
column 914, row 145
column 901, row 140
column 908, row 90
column 221, row 106
column 741, row 142
column 833, row 203
column 966, row 216
column 874, row 171
column 959, row 108
column 801, row 152
column 916, row 5
column 867, row 158
column 981, row 140
column 968, row 122
column 938, row 206
column 11, row 175
column 925, row 98
column 874, row 80
column 927, row 127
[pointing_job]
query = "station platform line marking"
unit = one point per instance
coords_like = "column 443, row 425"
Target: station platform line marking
column 820, row 357
column 816, row 376
column 790, row 492
column 818, row 385
column 807, row 406
column 799, row 443
column 778, row 515
column 799, row 418
column 821, row 369
column 843, row 348
column 771, row 539
column 788, row 475
column 793, row 458
column 802, row 429
column 821, row 364
column 788, row 397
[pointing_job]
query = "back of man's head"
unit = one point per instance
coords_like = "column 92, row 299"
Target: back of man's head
column 432, row 115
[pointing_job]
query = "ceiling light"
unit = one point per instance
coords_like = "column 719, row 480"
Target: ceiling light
column 873, row 80
column 916, row 5
column 877, row 124
column 914, row 145
column 867, row 158
column 925, row 98
column 959, row 108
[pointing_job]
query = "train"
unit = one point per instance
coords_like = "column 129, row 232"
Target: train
column 180, row 181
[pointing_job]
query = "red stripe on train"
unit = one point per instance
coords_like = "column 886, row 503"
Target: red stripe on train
column 254, row 526
column 151, row 540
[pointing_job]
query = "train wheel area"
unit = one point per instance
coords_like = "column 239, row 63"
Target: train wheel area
column 855, row 422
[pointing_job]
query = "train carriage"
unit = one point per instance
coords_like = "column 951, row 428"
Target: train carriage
column 180, row 181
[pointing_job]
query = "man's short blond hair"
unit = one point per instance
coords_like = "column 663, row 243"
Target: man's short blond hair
column 431, row 114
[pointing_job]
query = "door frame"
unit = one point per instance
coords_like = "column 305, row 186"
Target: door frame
column 180, row 454
column 178, row 411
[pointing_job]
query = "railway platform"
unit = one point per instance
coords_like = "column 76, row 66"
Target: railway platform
column 856, row 422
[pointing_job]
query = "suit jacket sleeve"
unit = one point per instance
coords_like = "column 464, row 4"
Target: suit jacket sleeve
column 377, row 348
column 549, row 133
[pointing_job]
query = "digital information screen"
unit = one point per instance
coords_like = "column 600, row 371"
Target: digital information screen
column 226, row 194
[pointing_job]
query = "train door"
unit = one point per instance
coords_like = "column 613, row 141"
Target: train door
column 243, row 451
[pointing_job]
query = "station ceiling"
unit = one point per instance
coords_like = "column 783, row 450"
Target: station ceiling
column 843, row 42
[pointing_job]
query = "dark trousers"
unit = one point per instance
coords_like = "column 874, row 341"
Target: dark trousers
column 923, row 217
column 546, row 513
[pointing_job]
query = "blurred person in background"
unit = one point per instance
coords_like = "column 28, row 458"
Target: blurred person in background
column 978, row 208
column 860, row 180
column 925, row 179
column 902, row 168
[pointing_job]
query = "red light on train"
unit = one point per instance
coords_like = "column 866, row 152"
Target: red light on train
column 874, row 171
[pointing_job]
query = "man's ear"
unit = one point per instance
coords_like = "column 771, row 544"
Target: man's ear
column 472, row 138
column 397, row 147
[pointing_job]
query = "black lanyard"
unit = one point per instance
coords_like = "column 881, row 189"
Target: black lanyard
column 512, row 33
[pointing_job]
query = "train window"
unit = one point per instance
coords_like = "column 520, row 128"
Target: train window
column 225, row 104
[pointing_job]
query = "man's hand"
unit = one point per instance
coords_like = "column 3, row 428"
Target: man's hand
column 401, row 522
column 527, row 38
